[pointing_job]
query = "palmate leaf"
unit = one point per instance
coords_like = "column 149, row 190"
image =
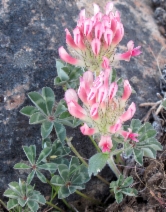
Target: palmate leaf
column 21, row 166
column 60, row 108
column 28, row 110
column 30, row 153
column 60, row 71
column 63, row 192
column 49, row 97
column 138, row 156
column 64, row 172
column 48, row 166
column 30, row 176
column 119, row 197
column 57, row 180
column 46, row 128
column 12, row 203
column 41, row 176
column 37, row 118
column 38, row 198
column 11, row 194
column 33, row 206
column 58, row 81
column 44, row 153
column 39, row 102
column 97, row 163
column 60, row 131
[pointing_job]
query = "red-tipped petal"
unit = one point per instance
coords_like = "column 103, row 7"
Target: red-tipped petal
column 86, row 130
column 102, row 94
column 78, row 39
column 124, row 56
column 88, row 24
column 98, row 31
column 127, row 90
column 71, row 95
column 105, row 143
column 136, row 51
column 96, row 46
column 129, row 113
column 67, row 58
column 94, row 111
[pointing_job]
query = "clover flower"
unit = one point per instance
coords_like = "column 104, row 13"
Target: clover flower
column 96, row 37
column 102, row 111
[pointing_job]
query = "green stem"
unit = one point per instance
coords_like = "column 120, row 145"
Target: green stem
column 113, row 166
column 82, row 160
column 87, row 197
column 94, row 143
column 4, row 205
column 54, row 206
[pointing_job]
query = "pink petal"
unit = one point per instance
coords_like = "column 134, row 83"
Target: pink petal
column 88, row 24
column 105, row 143
column 108, row 36
column 96, row 8
column 136, row 51
column 78, row 38
column 82, row 93
column 113, row 89
column 98, row 31
column 124, row 56
column 109, row 7
column 102, row 94
column 69, row 39
column 129, row 113
column 76, row 110
column 96, row 46
column 86, row 130
column 94, row 111
column 105, row 63
column 67, row 58
column 71, row 95
column 82, row 15
column 114, row 24
column 127, row 90
column 130, row 45
column 114, row 128
column 117, row 15
column 93, row 93
column 118, row 34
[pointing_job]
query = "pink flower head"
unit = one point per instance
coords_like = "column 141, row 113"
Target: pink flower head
column 97, row 37
column 101, row 107
column 105, row 143
column 130, row 135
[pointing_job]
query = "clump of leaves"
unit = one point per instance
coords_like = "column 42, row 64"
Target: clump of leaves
column 68, row 75
column 71, row 177
column 37, row 165
column 121, row 187
column 22, row 194
column 147, row 145
column 49, row 113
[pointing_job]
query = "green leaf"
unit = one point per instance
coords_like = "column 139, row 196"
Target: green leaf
column 38, row 198
column 61, row 73
column 74, row 164
column 57, row 180
column 128, row 181
column 39, row 102
column 97, row 163
column 120, row 180
column 113, row 75
column 37, row 118
column 60, row 108
column 164, row 104
column 46, row 129
column 41, row 176
column 15, row 187
column 21, row 166
column 33, row 206
column 49, row 98
column 119, row 197
column 135, row 125
column 11, row 194
column 60, row 131
column 58, row 81
column 130, row 191
column 12, row 203
column 30, row 153
column 63, row 192
column 138, row 156
column 44, row 153
column 22, row 202
column 28, row 110
column 63, row 171
column 113, row 184
column 48, row 166
column 30, row 176
column 149, row 152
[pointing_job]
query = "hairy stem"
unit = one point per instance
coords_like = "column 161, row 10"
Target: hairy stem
column 87, row 197
column 55, row 206
column 113, row 166
column 94, row 143
column 2, row 203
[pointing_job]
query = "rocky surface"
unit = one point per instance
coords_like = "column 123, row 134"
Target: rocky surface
column 30, row 34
